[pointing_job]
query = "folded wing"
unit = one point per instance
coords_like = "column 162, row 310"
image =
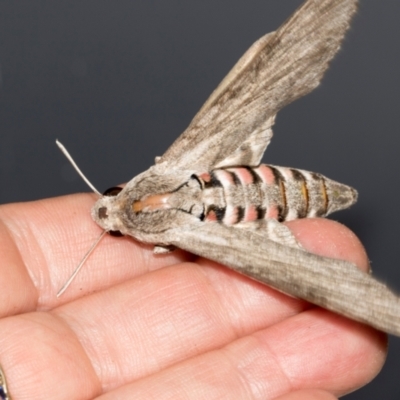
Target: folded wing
column 336, row 285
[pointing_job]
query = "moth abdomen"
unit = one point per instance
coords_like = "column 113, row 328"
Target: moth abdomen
column 242, row 194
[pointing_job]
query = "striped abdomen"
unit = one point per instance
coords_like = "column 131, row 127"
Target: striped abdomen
column 241, row 194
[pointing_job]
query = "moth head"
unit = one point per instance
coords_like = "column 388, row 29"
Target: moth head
column 107, row 211
column 102, row 212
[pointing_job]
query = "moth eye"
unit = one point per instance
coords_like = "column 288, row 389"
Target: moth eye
column 112, row 191
column 103, row 213
column 115, row 233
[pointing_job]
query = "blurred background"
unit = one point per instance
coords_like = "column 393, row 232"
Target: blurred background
column 118, row 81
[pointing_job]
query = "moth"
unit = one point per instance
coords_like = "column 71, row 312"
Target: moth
column 209, row 194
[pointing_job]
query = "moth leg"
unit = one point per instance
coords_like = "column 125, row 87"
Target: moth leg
column 273, row 230
column 162, row 249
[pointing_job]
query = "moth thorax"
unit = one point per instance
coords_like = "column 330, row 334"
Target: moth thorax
column 151, row 203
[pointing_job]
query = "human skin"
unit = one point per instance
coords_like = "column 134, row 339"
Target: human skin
column 136, row 325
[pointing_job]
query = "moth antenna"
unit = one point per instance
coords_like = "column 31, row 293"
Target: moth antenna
column 70, row 159
column 78, row 268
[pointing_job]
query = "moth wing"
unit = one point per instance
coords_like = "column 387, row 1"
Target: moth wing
column 237, row 69
column 336, row 285
column 273, row 230
column 279, row 68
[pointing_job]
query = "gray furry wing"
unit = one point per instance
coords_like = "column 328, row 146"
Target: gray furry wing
column 336, row 285
column 234, row 125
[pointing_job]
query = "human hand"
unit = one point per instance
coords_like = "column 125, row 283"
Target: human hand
column 135, row 325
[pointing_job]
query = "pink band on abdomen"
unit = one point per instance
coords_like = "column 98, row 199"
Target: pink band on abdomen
column 251, row 213
column 272, row 212
column 243, row 174
column 266, row 174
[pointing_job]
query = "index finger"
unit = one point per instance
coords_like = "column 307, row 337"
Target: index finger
column 42, row 242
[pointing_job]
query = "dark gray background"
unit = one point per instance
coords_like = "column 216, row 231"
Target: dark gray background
column 117, row 81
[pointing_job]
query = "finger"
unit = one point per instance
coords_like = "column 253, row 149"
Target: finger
column 42, row 359
column 126, row 332
column 312, row 350
column 330, row 239
column 152, row 322
column 310, row 394
column 17, row 294
column 42, row 242
column 222, row 306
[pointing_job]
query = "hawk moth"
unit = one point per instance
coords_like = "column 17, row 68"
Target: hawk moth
column 209, row 195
